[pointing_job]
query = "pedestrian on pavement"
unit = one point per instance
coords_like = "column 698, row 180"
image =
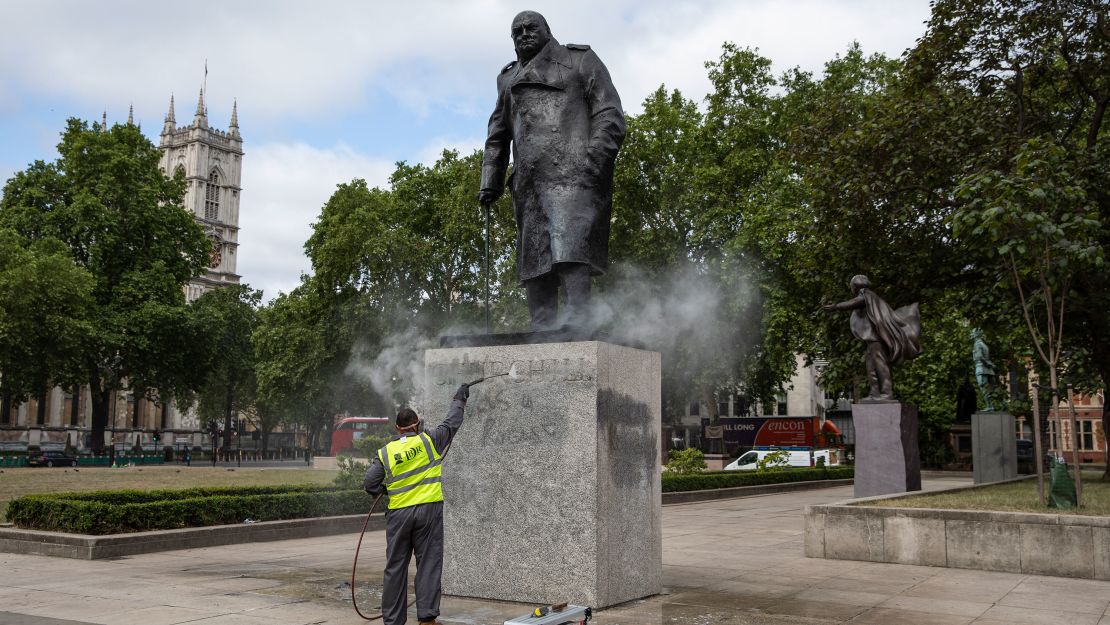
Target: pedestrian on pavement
column 409, row 468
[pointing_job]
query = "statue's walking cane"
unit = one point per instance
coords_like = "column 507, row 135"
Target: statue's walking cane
column 486, row 205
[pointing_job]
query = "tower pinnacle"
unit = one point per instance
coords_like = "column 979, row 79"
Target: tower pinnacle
column 234, row 127
column 131, row 115
column 104, row 121
column 170, row 124
column 201, row 117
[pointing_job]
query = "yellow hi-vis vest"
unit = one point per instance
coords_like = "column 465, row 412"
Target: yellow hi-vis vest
column 412, row 471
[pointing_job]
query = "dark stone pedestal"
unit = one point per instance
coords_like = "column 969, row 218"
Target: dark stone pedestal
column 887, row 457
column 993, row 447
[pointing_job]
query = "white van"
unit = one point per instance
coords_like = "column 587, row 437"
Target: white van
column 748, row 460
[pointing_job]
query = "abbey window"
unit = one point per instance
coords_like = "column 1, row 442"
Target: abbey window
column 212, row 197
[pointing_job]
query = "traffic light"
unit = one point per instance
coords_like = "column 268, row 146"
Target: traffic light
column 157, row 436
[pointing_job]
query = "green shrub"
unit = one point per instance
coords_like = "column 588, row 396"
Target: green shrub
column 778, row 460
column 728, row 479
column 685, row 462
column 111, row 512
column 351, row 473
column 369, row 444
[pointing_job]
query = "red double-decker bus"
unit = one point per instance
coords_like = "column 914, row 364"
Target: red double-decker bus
column 350, row 429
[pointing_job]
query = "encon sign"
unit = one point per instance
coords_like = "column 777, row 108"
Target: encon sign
column 769, row 431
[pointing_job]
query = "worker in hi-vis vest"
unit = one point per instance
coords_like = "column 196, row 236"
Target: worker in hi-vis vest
column 409, row 469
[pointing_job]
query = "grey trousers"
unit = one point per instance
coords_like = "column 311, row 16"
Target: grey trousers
column 413, row 530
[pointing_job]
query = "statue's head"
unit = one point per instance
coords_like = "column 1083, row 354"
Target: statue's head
column 976, row 334
column 859, row 282
column 530, row 34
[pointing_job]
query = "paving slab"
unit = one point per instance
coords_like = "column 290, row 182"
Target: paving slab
column 725, row 562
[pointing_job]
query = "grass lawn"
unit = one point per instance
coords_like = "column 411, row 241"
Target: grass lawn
column 1012, row 497
column 23, row 481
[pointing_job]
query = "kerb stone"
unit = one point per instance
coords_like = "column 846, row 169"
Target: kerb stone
column 887, row 457
column 552, row 485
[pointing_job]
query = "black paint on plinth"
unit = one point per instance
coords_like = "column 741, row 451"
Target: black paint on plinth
column 563, row 334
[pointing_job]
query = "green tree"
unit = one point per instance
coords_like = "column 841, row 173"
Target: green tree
column 44, row 303
column 692, row 302
column 1033, row 192
column 303, row 346
column 415, row 252
column 122, row 221
column 229, row 316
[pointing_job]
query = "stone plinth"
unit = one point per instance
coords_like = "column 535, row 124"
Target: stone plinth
column 887, row 456
column 552, row 486
column 993, row 447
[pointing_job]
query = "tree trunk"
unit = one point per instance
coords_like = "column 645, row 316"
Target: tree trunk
column 227, row 418
column 5, row 407
column 40, row 412
column 138, row 397
column 99, row 398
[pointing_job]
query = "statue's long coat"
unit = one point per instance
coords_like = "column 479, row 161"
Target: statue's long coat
column 565, row 122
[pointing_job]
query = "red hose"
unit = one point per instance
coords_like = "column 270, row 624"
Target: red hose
column 354, row 567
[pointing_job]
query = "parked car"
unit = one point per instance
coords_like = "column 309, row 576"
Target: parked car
column 1024, row 450
column 50, row 459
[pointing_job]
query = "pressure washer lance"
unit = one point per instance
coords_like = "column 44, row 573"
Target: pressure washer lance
column 373, row 506
column 488, row 377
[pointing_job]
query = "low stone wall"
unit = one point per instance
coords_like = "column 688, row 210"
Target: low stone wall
column 1033, row 543
column 327, row 463
column 692, row 496
column 87, row 547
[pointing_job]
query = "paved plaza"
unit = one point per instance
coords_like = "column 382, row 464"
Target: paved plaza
column 728, row 562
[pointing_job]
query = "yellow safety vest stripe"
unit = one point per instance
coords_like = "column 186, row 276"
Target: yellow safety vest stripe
column 420, row 466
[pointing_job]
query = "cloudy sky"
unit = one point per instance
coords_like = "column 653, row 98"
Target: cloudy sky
column 333, row 90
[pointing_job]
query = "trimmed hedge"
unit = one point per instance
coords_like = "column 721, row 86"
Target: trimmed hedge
column 113, row 512
column 121, row 511
column 727, row 479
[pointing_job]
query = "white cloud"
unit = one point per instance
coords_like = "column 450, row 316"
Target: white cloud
column 286, row 59
column 284, row 187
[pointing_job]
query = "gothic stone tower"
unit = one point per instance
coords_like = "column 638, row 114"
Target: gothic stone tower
column 211, row 161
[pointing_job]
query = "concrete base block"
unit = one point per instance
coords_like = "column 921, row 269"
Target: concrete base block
column 908, row 540
column 1101, row 536
column 815, row 533
column 993, row 447
column 887, row 457
column 552, row 485
column 1061, row 550
column 854, row 537
column 984, row 545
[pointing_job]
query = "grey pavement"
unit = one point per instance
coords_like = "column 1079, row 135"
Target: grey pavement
column 726, row 562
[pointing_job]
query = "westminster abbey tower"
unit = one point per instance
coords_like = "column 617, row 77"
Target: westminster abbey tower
column 211, row 161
